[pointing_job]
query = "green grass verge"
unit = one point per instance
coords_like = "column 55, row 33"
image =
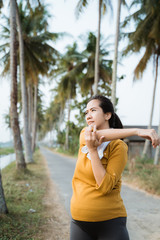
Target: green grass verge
column 144, row 174
column 24, row 190
column 6, row 151
column 65, row 152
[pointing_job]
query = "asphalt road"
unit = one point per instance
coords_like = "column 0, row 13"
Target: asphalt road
column 143, row 209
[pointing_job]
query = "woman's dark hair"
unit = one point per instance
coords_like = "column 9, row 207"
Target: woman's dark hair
column 107, row 106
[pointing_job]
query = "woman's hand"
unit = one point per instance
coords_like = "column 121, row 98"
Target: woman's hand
column 151, row 135
column 92, row 141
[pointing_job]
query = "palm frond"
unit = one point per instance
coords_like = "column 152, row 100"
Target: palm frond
column 81, row 5
column 138, row 72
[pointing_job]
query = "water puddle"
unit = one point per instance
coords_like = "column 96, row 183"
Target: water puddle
column 6, row 160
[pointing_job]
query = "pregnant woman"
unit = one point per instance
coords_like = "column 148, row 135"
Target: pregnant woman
column 97, row 209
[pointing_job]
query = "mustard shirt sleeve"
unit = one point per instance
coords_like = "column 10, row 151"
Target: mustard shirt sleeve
column 116, row 163
column 82, row 137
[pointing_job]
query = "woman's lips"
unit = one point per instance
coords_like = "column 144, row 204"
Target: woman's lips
column 90, row 122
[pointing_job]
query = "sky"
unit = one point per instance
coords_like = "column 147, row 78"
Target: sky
column 134, row 97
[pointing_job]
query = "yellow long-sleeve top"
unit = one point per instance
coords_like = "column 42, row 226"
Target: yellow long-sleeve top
column 94, row 203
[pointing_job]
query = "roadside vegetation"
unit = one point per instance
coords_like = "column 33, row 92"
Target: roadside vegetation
column 6, row 151
column 141, row 172
column 24, row 193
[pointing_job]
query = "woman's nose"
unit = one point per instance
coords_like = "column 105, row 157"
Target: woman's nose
column 88, row 116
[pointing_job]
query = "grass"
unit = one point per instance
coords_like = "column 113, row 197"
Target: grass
column 24, row 190
column 144, row 174
column 6, row 151
column 65, row 152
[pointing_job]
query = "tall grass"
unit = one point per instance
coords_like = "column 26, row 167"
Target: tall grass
column 142, row 172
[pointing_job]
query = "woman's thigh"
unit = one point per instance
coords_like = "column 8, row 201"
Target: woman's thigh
column 114, row 229
column 77, row 232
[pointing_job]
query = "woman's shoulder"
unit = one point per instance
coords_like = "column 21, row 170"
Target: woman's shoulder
column 118, row 143
column 82, row 136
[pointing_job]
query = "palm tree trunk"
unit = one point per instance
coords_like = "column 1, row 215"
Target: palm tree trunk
column 114, row 74
column 147, row 142
column 156, row 157
column 27, row 138
column 20, row 162
column 67, row 128
column 30, row 107
column 3, row 206
column 96, row 75
column 34, row 125
column 61, row 117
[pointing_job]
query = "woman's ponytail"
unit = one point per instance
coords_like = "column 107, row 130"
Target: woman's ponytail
column 115, row 122
column 107, row 106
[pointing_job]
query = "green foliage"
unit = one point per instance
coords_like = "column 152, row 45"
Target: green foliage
column 61, row 138
column 74, row 137
column 74, row 132
column 6, row 151
column 82, row 4
column 23, row 190
column 146, row 34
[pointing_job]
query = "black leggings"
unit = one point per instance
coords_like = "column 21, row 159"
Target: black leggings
column 114, row 229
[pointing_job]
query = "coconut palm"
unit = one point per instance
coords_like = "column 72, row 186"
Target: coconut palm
column 26, row 134
column 156, row 157
column 51, row 118
column 102, row 6
column 87, row 63
column 147, row 36
column 68, row 79
column 115, row 61
column 13, row 69
column 80, row 67
column 10, row 48
column 39, row 55
column 3, row 206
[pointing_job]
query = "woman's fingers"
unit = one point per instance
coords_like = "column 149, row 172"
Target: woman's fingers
column 91, row 138
column 153, row 136
column 101, row 140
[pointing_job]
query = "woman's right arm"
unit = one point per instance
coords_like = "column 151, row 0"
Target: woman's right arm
column 112, row 134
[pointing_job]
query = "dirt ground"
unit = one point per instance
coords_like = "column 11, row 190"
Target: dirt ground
column 58, row 220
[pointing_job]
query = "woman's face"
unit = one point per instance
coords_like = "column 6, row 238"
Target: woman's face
column 96, row 116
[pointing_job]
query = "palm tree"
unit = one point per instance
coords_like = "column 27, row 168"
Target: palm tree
column 39, row 55
column 115, row 61
column 13, row 69
column 68, row 79
column 3, row 206
column 86, row 64
column 156, row 157
column 27, row 137
column 102, row 6
column 146, row 36
column 50, row 118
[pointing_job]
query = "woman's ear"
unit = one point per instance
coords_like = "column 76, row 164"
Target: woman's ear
column 108, row 115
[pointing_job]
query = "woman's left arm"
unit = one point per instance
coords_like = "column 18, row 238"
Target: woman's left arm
column 112, row 134
column 92, row 144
